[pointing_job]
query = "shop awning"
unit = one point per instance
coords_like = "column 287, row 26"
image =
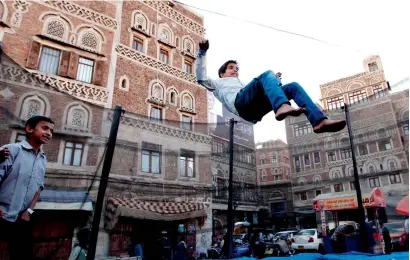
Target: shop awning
column 64, row 200
column 153, row 210
column 348, row 200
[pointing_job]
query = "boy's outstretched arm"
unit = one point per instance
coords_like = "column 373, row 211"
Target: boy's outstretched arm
column 200, row 65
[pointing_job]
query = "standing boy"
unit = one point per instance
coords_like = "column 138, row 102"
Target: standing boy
column 22, row 170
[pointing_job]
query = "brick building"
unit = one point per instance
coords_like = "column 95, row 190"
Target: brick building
column 321, row 163
column 139, row 55
column 274, row 180
column 246, row 199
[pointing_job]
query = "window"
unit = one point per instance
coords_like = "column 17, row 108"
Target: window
column 297, row 162
column 286, row 160
column 346, row 153
column 163, row 56
column 381, row 167
column 73, row 152
column 156, row 114
column 331, row 156
column 172, row 98
column 338, row 187
column 357, row 97
column 85, row 70
column 373, row 66
column 318, row 192
column 303, row 196
column 307, row 159
column 384, row 145
column 363, row 149
column 392, row 165
column 378, row 92
column 262, row 161
column 188, row 67
column 276, row 177
column 151, row 158
column 273, row 159
column 395, row 178
column 301, row 130
column 264, row 175
column 187, row 163
column 217, row 147
column 335, row 103
column 372, row 169
column 187, row 123
column 352, row 185
column 374, row 182
column 138, row 44
column 49, row 61
column 20, row 137
column 406, row 128
column 317, row 157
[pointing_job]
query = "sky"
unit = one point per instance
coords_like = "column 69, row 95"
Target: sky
column 362, row 28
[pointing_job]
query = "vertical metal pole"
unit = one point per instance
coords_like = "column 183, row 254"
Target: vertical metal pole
column 103, row 182
column 362, row 215
column 230, row 190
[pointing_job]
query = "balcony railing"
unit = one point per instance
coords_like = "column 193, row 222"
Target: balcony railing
column 81, row 90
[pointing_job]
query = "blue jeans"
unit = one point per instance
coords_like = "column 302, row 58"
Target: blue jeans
column 263, row 94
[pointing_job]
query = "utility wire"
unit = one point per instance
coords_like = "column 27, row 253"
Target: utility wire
column 267, row 26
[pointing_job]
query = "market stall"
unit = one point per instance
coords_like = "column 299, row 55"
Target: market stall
column 342, row 208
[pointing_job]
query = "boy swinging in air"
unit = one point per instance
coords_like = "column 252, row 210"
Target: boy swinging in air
column 262, row 95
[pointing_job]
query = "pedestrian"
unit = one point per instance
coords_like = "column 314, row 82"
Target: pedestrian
column 181, row 252
column 338, row 239
column 386, row 238
column 262, row 95
column 22, row 165
column 79, row 251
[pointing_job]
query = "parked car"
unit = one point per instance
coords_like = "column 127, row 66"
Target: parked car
column 308, row 240
column 397, row 234
column 285, row 235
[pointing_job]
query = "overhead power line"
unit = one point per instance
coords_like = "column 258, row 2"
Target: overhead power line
column 268, row 26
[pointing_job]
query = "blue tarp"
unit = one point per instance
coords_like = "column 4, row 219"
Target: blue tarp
column 345, row 256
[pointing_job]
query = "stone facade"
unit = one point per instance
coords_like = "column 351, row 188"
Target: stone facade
column 136, row 54
column 321, row 163
column 274, row 180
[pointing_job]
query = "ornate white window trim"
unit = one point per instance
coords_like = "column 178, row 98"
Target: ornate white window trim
column 141, row 22
column 124, row 83
column 69, row 117
column 157, row 91
column 34, row 97
column 187, row 101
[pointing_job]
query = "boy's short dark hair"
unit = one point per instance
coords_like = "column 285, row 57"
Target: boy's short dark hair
column 224, row 66
column 33, row 121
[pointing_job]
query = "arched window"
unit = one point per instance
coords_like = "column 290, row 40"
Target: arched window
column 188, row 46
column 172, row 97
column 165, row 35
column 78, row 117
column 187, row 102
column 336, row 175
column 157, row 91
column 57, row 29
column 329, row 143
column 89, row 40
column 124, row 83
column 344, row 141
column 392, row 165
column 32, row 106
column 381, row 133
column 141, row 22
column 372, row 169
column 317, row 180
column 302, row 182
